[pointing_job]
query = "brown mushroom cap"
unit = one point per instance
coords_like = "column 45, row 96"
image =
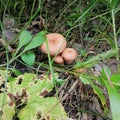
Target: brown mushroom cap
column 56, row 43
column 58, row 59
column 69, row 55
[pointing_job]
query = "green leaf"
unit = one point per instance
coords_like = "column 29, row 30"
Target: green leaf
column 49, row 107
column 114, row 101
column 84, row 80
column 104, row 71
column 26, row 79
column 114, row 96
column 36, row 41
column 3, row 73
column 29, row 58
column 8, row 110
column 44, row 85
column 31, row 91
column 115, row 78
column 99, row 92
column 24, row 39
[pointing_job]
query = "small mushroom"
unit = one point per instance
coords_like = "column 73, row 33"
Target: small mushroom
column 56, row 44
column 58, row 59
column 69, row 55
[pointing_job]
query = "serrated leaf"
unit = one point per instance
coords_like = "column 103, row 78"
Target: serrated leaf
column 29, row 58
column 25, row 38
column 29, row 112
column 44, row 85
column 14, row 86
column 36, row 41
column 34, row 87
column 34, row 90
column 44, row 107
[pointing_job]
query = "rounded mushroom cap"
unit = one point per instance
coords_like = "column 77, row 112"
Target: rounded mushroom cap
column 69, row 55
column 58, row 59
column 56, row 43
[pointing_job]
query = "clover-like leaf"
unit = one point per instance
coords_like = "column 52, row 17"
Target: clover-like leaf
column 28, row 58
column 36, row 41
column 24, row 39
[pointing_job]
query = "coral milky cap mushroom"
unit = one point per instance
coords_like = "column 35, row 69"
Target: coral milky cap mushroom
column 69, row 55
column 56, row 44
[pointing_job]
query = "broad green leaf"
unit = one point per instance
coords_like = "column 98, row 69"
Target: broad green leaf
column 3, row 100
column 114, row 96
column 44, row 85
column 49, row 107
column 31, row 90
column 29, row 58
column 115, row 78
column 36, row 41
column 14, row 86
column 114, row 101
column 8, row 110
column 3, row 73
column 24, row 39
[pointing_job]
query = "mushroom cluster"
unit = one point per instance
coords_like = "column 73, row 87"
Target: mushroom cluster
column 56, row 45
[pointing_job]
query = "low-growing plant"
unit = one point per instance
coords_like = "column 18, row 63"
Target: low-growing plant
column 23, row 97
column 26, row 43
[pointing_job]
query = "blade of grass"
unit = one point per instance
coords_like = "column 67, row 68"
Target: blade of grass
column 115, row 36
column 89, row 7
column 7, row 66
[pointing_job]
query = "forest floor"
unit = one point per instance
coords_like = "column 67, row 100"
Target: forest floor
column 87, row 33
